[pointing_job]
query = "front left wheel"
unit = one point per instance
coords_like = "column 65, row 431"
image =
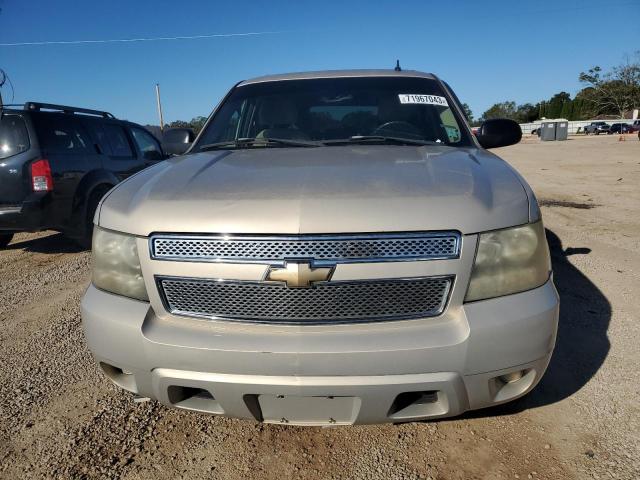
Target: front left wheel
column 5, row 239
column 92, row 206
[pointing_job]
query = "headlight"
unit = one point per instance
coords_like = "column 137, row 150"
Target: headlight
column 509, row 261
column 116, row 266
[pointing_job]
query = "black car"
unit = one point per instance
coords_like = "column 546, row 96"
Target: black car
column 57, row 162
column 620, row 128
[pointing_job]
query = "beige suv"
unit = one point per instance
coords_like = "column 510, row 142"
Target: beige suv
column 334, row 248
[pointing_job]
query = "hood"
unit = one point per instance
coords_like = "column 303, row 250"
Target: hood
column 341, row 189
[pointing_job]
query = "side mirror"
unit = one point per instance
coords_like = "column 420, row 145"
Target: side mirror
column 176, row 141
column 175, row 148
column 499, row 132
column 153, row 156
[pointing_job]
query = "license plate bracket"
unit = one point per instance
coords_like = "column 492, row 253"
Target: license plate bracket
column 316, row 410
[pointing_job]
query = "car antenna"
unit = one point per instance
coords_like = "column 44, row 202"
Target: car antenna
column 398, row 69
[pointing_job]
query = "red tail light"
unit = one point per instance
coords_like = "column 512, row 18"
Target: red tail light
column 41, row 179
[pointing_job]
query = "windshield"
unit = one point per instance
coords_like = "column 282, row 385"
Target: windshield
column 337, row 108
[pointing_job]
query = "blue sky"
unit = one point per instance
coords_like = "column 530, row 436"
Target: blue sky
column 489, row 51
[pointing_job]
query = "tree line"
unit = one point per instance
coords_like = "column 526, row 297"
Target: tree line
column 196, row 123
column 614, row 92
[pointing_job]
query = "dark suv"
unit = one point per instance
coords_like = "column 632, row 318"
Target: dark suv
column 57, row 162
column 620, row 128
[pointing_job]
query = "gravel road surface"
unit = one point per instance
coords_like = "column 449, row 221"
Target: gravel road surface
column 61, row 418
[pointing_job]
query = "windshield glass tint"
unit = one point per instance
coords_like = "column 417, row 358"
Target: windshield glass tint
column 338, row 108
column 14, row 137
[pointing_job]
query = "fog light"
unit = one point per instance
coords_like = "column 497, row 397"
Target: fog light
column 513, row 376
column 511, row 385
column 121, row 377
column 193, row 398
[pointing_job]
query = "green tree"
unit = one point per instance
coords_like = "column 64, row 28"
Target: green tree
column 613, row 92
column 467, row 112
column 581, row 108
column 501, row 110
column 567, row 110
column 554, row 106
column 179, row 124
column 196, row 123
column 526, row 113
column 542, row 110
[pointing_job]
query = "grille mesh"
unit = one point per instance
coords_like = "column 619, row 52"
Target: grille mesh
column 334, row 249
column 332, row 302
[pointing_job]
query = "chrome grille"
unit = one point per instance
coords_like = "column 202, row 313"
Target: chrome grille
column 334, row 249
column 330, row 302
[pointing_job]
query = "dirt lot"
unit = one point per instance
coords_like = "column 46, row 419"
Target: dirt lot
column 59, row 417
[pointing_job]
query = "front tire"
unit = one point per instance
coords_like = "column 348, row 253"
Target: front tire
column 92, row 205
column 5, row 239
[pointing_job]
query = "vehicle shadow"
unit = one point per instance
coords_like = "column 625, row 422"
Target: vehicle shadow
column 582, row 344
column 54, row 243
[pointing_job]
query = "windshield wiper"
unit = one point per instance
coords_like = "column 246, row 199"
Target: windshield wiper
column 293, row 143
column 259, row 142
column 382, row 139
column 237, row 143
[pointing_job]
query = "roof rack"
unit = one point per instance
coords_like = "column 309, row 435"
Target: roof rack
column 37, row 106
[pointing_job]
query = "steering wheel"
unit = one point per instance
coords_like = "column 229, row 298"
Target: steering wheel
column 398, row 126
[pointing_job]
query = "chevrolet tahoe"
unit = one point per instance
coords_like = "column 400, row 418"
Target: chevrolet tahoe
column 334, row 248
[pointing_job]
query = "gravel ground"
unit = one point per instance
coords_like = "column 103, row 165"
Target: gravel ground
column 60, row 418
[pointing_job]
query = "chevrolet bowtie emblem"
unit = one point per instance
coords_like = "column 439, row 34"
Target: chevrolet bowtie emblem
column 298, row 275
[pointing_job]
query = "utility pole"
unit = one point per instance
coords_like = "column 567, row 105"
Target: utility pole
column 159, row 107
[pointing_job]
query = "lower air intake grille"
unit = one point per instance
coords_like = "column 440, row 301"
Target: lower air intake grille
column 331, row 302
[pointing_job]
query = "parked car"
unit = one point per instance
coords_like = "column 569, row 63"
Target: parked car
column 620, row 128
column 635, row 126
column 336, row 248
column 57, row 162
column 597, row 128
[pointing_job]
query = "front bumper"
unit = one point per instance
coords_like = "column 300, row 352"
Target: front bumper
column 372, row 373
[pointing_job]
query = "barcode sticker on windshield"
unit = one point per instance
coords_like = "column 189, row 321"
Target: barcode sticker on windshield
column 423, row 99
